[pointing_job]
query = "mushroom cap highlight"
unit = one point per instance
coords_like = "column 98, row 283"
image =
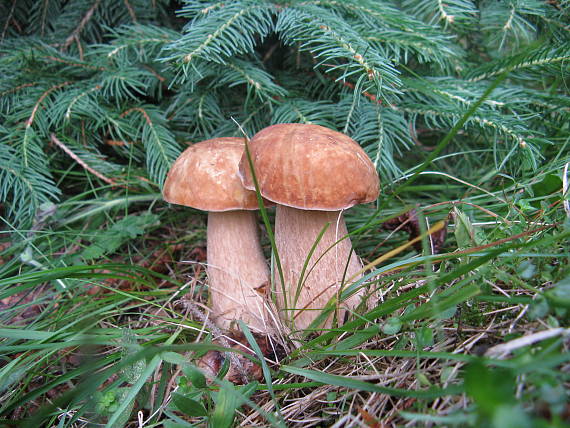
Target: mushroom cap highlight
column 205, row 177
column 310, row 167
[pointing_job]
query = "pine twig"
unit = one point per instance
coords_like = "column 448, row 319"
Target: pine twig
column 77, row 159
column 131, row 11
column 81, row 25
column 141, row 111
column 44, row 95
column 8, row 19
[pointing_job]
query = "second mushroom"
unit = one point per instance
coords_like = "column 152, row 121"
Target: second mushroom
column 313, row 173
column 205, row 177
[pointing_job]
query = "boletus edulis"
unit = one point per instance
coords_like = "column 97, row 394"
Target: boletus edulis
column 312, row 173
column 204, row 177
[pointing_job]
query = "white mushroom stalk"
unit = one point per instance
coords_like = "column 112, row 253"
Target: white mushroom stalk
column 311, row 284
column 237, row 270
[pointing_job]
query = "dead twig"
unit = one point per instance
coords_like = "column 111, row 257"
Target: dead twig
column 81, row 25
column 501, row 351
column 77, row 159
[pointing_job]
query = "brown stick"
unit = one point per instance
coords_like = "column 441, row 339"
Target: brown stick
column 77, row 159
column 44, row 95
column 8, row 19
column 81, row 25
column 131, row 11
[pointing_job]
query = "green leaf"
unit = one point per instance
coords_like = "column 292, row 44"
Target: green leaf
column 172, row 424
column 122, row 417
column 446, row 313
column 549, row 184
column 392, row 326
column 128, row 400
column 174, row 358
column 188, row 406
column 559, row 295
column 195, row 375
column 447, row 374
column 464, row 230
column 132, row 372
column 511, row 416
column 226, row 405
column 111, row 239
column 424, row 337
column 228, row 400
column 488, row 387
column 538, row 308
column 526, row 269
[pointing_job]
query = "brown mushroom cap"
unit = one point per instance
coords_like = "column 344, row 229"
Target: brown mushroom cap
column 205, row 177
column 310, row 167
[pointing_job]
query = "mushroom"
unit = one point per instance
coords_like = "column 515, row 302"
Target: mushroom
column 313, row 173
column 204, row 177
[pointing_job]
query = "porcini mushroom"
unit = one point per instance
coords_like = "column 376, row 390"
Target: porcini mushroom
column 204, row 177
column 312, row 173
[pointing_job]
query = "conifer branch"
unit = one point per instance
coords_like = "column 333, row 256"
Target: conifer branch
column 212, row 37
column 81, row 25
column 141, row 111
column 161, row 148
column 74, row 64
column 17, row 88
column 28, row 134
column 45, row 5
column 23, row 190
column 131, row 11
column 330, row 40
column 380, row 71
column 77, row 98
column 539, row 57
column 8, row 19
column 44, row 95
column 218, row 35
column 77, row 159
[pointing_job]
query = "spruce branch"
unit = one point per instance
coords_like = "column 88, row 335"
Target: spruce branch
column 74, row 35
column 79, row 97
column 131, row 11
column 509, row 24
column 538, row 58
column 23, row 190
column 160, row 146
column 30, row 120
column 8, row 18
column 396, row 33
column 260, row 84
column 383, row 72
column 27, row 146
column 140, row 42
column 337, row 47
column 74, row 63
column 304, row 111
column 17, row 88
column 461, row 13
column 454, row 130
column 77, row 159
column 231, row 29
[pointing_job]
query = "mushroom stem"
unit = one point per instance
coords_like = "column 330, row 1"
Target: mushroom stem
column 237, row 270
column 296, row 231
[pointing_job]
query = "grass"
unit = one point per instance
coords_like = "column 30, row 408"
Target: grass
column 96, row 328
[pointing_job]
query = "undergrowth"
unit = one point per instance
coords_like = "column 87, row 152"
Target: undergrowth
column 463, row 108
